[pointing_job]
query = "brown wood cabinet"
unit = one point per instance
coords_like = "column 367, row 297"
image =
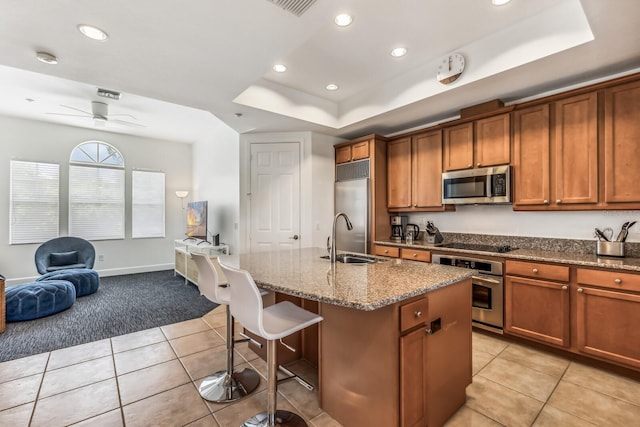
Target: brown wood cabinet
column 415, row 254
column 537, row 302
column 414, row 173
column 390, row 251
column 481, row 143
column 434, row 357
column 531, row 156
column 608, row 315
column 622, row 144
column 576, row 150
column 421, row 383
column 556, row 155
column 352, row 152
column 373, row 147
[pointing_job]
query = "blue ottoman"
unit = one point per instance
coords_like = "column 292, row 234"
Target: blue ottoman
column 85, row 280
column 38, row 299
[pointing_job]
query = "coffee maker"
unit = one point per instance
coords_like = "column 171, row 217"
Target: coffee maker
column 398, row 227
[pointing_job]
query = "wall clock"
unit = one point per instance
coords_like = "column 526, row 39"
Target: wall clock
column 450, row 68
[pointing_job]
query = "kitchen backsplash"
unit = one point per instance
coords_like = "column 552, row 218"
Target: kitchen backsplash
column 632, row 250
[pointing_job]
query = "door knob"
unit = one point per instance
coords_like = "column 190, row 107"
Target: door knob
column 295, row 237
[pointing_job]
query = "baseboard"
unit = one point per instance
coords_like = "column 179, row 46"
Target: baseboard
column 102, row 273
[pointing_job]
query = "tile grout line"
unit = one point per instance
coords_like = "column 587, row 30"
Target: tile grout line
column 35, row 402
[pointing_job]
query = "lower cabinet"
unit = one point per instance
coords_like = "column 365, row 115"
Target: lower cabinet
column 422, row 383
column 593, row 312
column 607, row 318
column 414, row 254
column 535, row 306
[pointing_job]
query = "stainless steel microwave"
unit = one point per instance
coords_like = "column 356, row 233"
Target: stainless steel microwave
column 477, row 186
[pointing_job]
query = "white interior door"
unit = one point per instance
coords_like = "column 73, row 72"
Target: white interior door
column 275, row 196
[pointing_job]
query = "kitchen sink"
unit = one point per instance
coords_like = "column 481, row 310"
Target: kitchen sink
column 355, row 259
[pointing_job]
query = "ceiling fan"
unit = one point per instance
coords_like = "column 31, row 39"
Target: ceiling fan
column 100, row 114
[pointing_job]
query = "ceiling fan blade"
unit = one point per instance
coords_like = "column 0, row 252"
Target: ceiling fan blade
column 77, row 109
column 122, row 122
column 71, row 115
column 120, row 115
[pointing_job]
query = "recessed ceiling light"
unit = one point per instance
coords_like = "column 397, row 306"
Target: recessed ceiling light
column 93, row 33
column 499, row 2
column 46, row 57
column 332, row 86
column 399, row 51
column 343, row 20
column 279, row 68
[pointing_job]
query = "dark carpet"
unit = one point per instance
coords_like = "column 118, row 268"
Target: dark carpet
column 122, row 304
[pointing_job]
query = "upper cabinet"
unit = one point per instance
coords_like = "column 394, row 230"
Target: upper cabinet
column 414, row 172
column 353, row 151
column 622, row 143
column 481, row 143
column 576, row 150
column 580, row 152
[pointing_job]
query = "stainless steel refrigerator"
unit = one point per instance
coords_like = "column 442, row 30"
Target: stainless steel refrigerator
column 352, row 196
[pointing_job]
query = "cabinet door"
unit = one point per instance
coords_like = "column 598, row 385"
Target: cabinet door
column 343, row 154
column 538, row 310
column 413, row 379
column 622, row 144
column 399, row 173
column 576, row 150
column 607, row 325
column 531, row 148
column 427, row 170
column 458, row 147
column 360, row 150
column 493, row 141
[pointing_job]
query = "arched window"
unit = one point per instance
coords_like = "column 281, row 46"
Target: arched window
column 96, row 191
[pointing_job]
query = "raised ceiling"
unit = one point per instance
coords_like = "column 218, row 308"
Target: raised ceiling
column 179, row 63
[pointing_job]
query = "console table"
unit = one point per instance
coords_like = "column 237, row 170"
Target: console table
column 184, row 265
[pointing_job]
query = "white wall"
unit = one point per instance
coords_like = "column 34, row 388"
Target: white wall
column 502, row 220
column 40, row 141
column 216, row 171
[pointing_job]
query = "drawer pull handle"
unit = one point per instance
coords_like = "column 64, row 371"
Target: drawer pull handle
column 558, row 201
column 429, row 331
column 617, row 281
column 418, row 314
column 415, row 255
column 535, row 270
column 580, row 290
column 386, row 251
column 546, row 202
column 565, row 287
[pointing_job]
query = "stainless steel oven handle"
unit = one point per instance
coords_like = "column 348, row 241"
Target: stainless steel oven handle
column 487, row 280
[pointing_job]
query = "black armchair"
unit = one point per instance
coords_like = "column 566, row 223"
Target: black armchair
column 63, row 253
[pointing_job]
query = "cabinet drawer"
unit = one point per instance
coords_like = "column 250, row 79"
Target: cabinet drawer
column 609, row 279
column 415, row 254
column 559, row 273
column 386, row 251
column 413, row 314
column 360, row 150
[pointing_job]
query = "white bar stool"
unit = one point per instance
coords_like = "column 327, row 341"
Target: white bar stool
column 272, row 323
column 228, row 385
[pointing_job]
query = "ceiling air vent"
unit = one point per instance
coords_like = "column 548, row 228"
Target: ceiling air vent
column 111, row 94
column 297, row 7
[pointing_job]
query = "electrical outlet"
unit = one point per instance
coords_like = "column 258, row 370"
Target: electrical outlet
column 100, row 257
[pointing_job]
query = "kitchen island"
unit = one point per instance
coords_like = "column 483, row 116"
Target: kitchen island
column 395, row 342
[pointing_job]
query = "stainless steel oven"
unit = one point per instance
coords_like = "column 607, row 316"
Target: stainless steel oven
column 487, row 306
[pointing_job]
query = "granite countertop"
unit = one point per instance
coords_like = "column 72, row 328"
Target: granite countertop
column 542, row 255
column 366, row 287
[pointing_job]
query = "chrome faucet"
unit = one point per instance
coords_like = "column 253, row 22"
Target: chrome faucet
column 332, row 252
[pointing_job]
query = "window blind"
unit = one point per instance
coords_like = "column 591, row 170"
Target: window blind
column 96, row 202
column 34, row 202
column 147, row 204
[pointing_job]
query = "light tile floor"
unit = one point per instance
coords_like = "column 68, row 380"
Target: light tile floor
column 150, row 378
